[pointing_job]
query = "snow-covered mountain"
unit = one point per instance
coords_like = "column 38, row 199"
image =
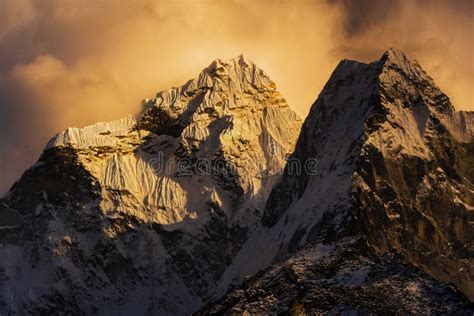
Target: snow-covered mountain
column 165, row 212
column 144, row 214
column 394, row 185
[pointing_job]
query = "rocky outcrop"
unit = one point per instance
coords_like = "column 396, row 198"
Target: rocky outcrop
column 145, row 214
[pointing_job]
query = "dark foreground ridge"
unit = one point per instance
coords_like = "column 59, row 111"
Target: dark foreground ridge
column 340, row 278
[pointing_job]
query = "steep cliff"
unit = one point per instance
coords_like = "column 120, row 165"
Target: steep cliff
column 394, row 173
column 414, row 181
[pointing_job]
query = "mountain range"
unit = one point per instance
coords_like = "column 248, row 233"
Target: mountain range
column 218, row 199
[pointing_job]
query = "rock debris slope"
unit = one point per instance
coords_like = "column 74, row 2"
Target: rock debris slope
column 340, row 279
column 145, row 214
column 395, row 185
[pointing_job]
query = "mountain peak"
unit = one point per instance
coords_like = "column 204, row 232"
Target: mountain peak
column 241, row 61
column 388, row 143
column 395, row 54
column 402, row 78
column 396, row 61
column 239, row 70
column 224, row 88
column 188, row 178
column 398, row 58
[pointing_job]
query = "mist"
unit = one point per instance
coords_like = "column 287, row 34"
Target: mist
column 73, row 63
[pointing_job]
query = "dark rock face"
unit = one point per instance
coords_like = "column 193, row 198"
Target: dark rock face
column 45, row 191
column 413, row 187
column 394, row 175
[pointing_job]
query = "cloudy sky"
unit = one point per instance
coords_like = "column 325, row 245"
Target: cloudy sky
column 72, row 63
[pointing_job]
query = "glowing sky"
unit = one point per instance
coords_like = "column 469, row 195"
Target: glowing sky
column 73, row 63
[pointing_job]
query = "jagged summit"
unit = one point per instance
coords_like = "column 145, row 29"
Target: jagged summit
column 400, row 82
column 235, row 76
column 225, row 87
column 396, row 58
column 238, row 64
column 393, row 60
